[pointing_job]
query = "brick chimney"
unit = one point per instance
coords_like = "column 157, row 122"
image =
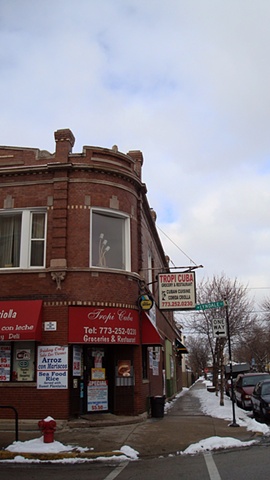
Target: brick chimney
column 64, row 142
column 137, row 156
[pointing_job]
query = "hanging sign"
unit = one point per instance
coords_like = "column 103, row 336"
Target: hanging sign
column 177, row 291
column 145, row 302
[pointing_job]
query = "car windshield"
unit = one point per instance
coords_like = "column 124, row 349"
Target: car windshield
column 266, row 389
column 252, row 381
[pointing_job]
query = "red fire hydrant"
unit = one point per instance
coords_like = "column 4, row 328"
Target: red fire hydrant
column 47, row 426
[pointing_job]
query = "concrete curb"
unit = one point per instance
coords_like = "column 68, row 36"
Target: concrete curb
column 7, row 455
column 84, row 421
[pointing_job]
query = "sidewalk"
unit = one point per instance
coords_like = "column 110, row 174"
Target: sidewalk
column 183, row 425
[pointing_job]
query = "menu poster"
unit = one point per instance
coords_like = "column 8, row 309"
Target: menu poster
column 77, row 368
column 52, row 367
column 5, row 362
column 97, row 396
column 124, row 368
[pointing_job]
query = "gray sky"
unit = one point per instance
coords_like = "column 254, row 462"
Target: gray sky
column 184, row 81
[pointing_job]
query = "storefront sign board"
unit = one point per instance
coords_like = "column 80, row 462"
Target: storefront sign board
column 20, row 320
column 98, row 325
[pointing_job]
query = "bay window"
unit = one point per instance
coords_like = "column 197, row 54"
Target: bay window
column 110, row 240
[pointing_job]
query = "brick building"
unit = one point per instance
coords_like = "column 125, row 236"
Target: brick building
column 79, row 254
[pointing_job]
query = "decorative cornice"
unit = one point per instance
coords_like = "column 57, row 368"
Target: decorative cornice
column 83, row 303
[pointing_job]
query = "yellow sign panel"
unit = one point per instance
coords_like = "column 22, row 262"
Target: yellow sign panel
column 98, row 374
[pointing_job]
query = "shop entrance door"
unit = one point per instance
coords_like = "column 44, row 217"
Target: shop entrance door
column 98, row 379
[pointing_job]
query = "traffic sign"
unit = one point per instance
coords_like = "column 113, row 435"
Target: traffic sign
column 219, row 327
column 205, row 306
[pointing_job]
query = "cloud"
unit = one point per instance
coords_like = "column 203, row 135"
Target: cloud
column 187, row 83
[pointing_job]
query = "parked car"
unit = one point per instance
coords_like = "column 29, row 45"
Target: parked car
column 260, row 399
column 228, row 387
column 244, row 386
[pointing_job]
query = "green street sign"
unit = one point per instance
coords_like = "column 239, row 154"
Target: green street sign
column 205, row 306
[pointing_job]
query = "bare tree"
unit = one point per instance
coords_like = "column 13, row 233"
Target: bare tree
column 198, row 354
column 254, row 346
column 239, row 312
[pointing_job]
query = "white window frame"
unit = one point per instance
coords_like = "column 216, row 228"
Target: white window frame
column 26, row 237
column 126, row 219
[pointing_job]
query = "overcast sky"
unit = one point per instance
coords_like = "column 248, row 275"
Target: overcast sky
column 187, row 82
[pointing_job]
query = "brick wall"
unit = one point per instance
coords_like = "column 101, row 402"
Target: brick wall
column 68, row 185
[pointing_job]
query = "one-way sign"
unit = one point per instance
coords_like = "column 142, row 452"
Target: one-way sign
column 219, row 327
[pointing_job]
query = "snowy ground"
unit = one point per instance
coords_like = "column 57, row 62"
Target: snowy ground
column 210, row 405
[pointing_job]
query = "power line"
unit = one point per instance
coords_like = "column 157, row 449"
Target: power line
column 190, row 259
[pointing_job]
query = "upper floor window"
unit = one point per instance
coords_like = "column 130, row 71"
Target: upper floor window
column 22, row 239
column 110, row 240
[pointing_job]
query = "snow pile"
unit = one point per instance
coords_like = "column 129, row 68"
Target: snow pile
column 129, row 452
column 214, row 443
column 37, row 445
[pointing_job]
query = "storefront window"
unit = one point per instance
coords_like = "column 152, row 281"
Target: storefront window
column 22, row 239
column 17, row 362
column 110, row 240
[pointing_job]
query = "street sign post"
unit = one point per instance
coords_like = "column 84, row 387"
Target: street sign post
column 219, row 327
column 219, row 331
column 233, row 424
column 205, row 306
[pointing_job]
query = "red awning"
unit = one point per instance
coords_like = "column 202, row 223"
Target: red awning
column 104, row 325
column 150, row 333
column 20, row 320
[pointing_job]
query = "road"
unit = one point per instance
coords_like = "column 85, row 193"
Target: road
column 241, row 464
